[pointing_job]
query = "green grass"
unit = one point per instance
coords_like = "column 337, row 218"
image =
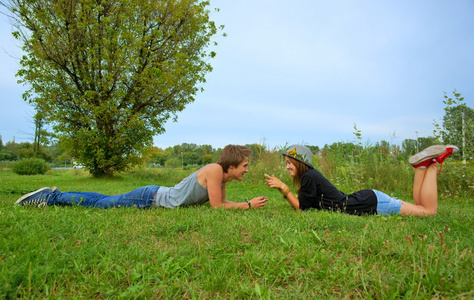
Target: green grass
column 199, row 252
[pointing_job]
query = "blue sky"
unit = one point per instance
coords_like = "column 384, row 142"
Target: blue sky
column 306, row 71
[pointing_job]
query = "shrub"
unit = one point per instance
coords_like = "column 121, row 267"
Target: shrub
column 456, row 180
column 30, row 166
column 7, row 155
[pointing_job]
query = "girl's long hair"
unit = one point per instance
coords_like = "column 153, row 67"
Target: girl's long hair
column 301, row 168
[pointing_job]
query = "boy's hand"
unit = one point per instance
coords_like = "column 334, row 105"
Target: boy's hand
column 258, row 202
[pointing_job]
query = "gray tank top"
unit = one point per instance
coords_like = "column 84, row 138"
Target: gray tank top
column 187, row 192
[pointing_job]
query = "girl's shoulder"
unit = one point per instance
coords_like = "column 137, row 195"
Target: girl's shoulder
column 313, row 174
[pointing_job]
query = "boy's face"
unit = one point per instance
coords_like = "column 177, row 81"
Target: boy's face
column 239, row 171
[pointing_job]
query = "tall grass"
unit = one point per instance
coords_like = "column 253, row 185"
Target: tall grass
column 369, row 167
column 275, row 252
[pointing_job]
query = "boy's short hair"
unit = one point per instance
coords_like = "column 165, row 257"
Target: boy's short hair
column 233, row 155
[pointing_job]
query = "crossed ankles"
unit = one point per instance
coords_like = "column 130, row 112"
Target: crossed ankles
column 436, row 154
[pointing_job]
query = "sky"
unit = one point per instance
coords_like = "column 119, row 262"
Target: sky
column 307, row 72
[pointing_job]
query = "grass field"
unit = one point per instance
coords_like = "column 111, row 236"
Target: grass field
column 199, row 252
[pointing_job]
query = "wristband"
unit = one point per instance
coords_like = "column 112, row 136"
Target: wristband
column 286, row 192
column 250, row 206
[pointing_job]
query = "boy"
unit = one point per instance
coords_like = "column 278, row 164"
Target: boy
column 206, row 184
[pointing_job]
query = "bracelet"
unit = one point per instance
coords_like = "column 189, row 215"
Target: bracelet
column 286, row 192
column 250, row 206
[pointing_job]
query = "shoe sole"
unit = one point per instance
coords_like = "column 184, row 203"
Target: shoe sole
column 18, row 202
column 455, row 148
column 430, row 152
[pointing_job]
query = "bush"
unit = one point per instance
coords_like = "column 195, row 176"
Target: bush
column 456, row 180
column 7, row 155
column 30, row 166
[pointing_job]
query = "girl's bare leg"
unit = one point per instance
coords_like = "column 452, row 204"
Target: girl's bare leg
column 429, row 190
column 425, row 194
column 418, row 183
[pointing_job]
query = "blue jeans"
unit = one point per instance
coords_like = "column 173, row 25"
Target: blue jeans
column 140, row 198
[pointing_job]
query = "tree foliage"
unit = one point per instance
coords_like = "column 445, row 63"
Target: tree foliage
column 108, row 74
column 458, row 124
column 410, row 146
column 7, row 155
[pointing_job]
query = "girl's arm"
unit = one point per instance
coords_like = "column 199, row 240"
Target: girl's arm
column 276, row 183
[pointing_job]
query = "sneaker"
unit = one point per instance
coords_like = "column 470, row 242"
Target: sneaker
column 38, row 197
column 450, row 149
column 424, row 158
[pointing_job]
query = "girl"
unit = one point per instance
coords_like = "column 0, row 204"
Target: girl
column 315, row 191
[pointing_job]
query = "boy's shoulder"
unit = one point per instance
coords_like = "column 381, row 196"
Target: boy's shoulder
column 212, row 170
column 212, row 167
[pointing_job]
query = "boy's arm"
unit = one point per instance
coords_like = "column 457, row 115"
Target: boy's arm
column 215, row 188
column 216, row 191
column 254, row 203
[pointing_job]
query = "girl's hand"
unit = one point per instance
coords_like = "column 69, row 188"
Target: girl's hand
column 274, row 182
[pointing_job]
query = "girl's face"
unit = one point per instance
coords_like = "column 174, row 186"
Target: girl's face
column 291, row 167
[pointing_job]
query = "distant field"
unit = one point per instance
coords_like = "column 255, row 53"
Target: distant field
column 199, row 252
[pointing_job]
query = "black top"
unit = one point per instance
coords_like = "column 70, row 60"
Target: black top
column 318, row 192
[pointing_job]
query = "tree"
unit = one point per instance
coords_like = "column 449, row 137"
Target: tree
column 28, row 150
column 207, row 154
column 458, row 125
column 40, row 132
column 411, row 146
column 160, row 156
column 7, row 155
column 191, row 158
column 314, row 149
column 108, row 74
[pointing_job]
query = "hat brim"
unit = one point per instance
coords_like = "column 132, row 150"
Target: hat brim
column 285, row 153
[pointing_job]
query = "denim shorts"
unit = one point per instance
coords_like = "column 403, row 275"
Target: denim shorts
column 387, row 205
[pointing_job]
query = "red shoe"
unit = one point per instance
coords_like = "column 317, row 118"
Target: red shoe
column 440, row 159
column 424, row 164
column 424, row 158
column 449, row 150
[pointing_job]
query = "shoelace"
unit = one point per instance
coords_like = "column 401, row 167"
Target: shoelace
column 440, row 165
column 440, row 159
column 40, row 201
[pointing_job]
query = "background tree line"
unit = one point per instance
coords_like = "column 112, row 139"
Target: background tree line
column 456, row 127
column 186, row 155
